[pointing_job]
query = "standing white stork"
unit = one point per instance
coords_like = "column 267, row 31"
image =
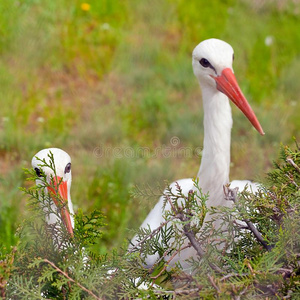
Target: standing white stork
column 61, row 179
column 212, row 65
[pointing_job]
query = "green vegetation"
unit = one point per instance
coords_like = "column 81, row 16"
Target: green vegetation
column 257, row 258
column 117, row 76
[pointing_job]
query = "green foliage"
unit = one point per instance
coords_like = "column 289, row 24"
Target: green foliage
column 88, row 227
column 46, row 251
column 254, row 253
column 255, row 258
column 49, row 263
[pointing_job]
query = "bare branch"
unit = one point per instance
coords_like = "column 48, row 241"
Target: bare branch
column 71, row 279
column 176, row 292
column 171, row 204
column 231, row 194
column 191, row 235
column 186, row 292
column 213, row 283
column 233, row 275
column 257, row 235
column 291, row 162
column 192, row 238
column 292, row 181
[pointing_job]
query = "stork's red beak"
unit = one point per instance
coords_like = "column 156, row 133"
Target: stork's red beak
column 227, row 84
column 62, row 187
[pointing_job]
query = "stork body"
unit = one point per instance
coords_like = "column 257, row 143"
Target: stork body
column 62, row 179
column 212, row 65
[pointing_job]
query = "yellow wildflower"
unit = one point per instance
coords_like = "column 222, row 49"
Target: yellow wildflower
column 85, row 6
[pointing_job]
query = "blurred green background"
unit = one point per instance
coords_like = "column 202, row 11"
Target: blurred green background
column 111, row 83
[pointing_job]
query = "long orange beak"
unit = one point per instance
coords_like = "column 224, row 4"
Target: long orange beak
column 63, row 204
column 227, row 84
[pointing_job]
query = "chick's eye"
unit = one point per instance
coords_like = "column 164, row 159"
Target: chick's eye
column 38, row 172
column 68, row 168
column 204, row 63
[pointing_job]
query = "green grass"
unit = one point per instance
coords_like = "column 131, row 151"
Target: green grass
column 119, row 76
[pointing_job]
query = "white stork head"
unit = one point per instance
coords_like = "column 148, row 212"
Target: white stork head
column 62, row 180
column 212, row 64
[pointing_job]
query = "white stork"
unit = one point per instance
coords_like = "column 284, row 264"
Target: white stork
column 212, row 65
column 63, row 176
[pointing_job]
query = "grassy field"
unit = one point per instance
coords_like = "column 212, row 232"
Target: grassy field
column 111, row 83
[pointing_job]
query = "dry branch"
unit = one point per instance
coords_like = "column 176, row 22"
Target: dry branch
column 186, row 218
column 71, row 279
column 231, row 195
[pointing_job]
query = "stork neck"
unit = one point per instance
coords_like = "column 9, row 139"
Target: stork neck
column 215, row 163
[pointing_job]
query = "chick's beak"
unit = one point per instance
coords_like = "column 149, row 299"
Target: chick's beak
column 62, row 201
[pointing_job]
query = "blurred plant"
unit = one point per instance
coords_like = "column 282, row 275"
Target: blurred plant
column 6, row 269
column 10, row 207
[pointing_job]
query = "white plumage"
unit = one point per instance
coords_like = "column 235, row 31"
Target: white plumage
column 212, row 65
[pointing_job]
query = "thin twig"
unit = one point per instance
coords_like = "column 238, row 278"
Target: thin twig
column 164, row 255
column 176, row 292
column 291, row 162
column 213, row 283
column 231, row 195
column 292, row 181
column 191, row 236
column 149, row 236
column 169, row 260
column 257, row 235
column 71, row 279
column 186, row 292
column 233, row 275
column 171, row 204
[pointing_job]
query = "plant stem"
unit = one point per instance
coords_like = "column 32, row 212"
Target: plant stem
column 71, row 279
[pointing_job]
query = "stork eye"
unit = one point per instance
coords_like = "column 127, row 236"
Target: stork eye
column 204, row 63
column 38, row 172
column 68, row 168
